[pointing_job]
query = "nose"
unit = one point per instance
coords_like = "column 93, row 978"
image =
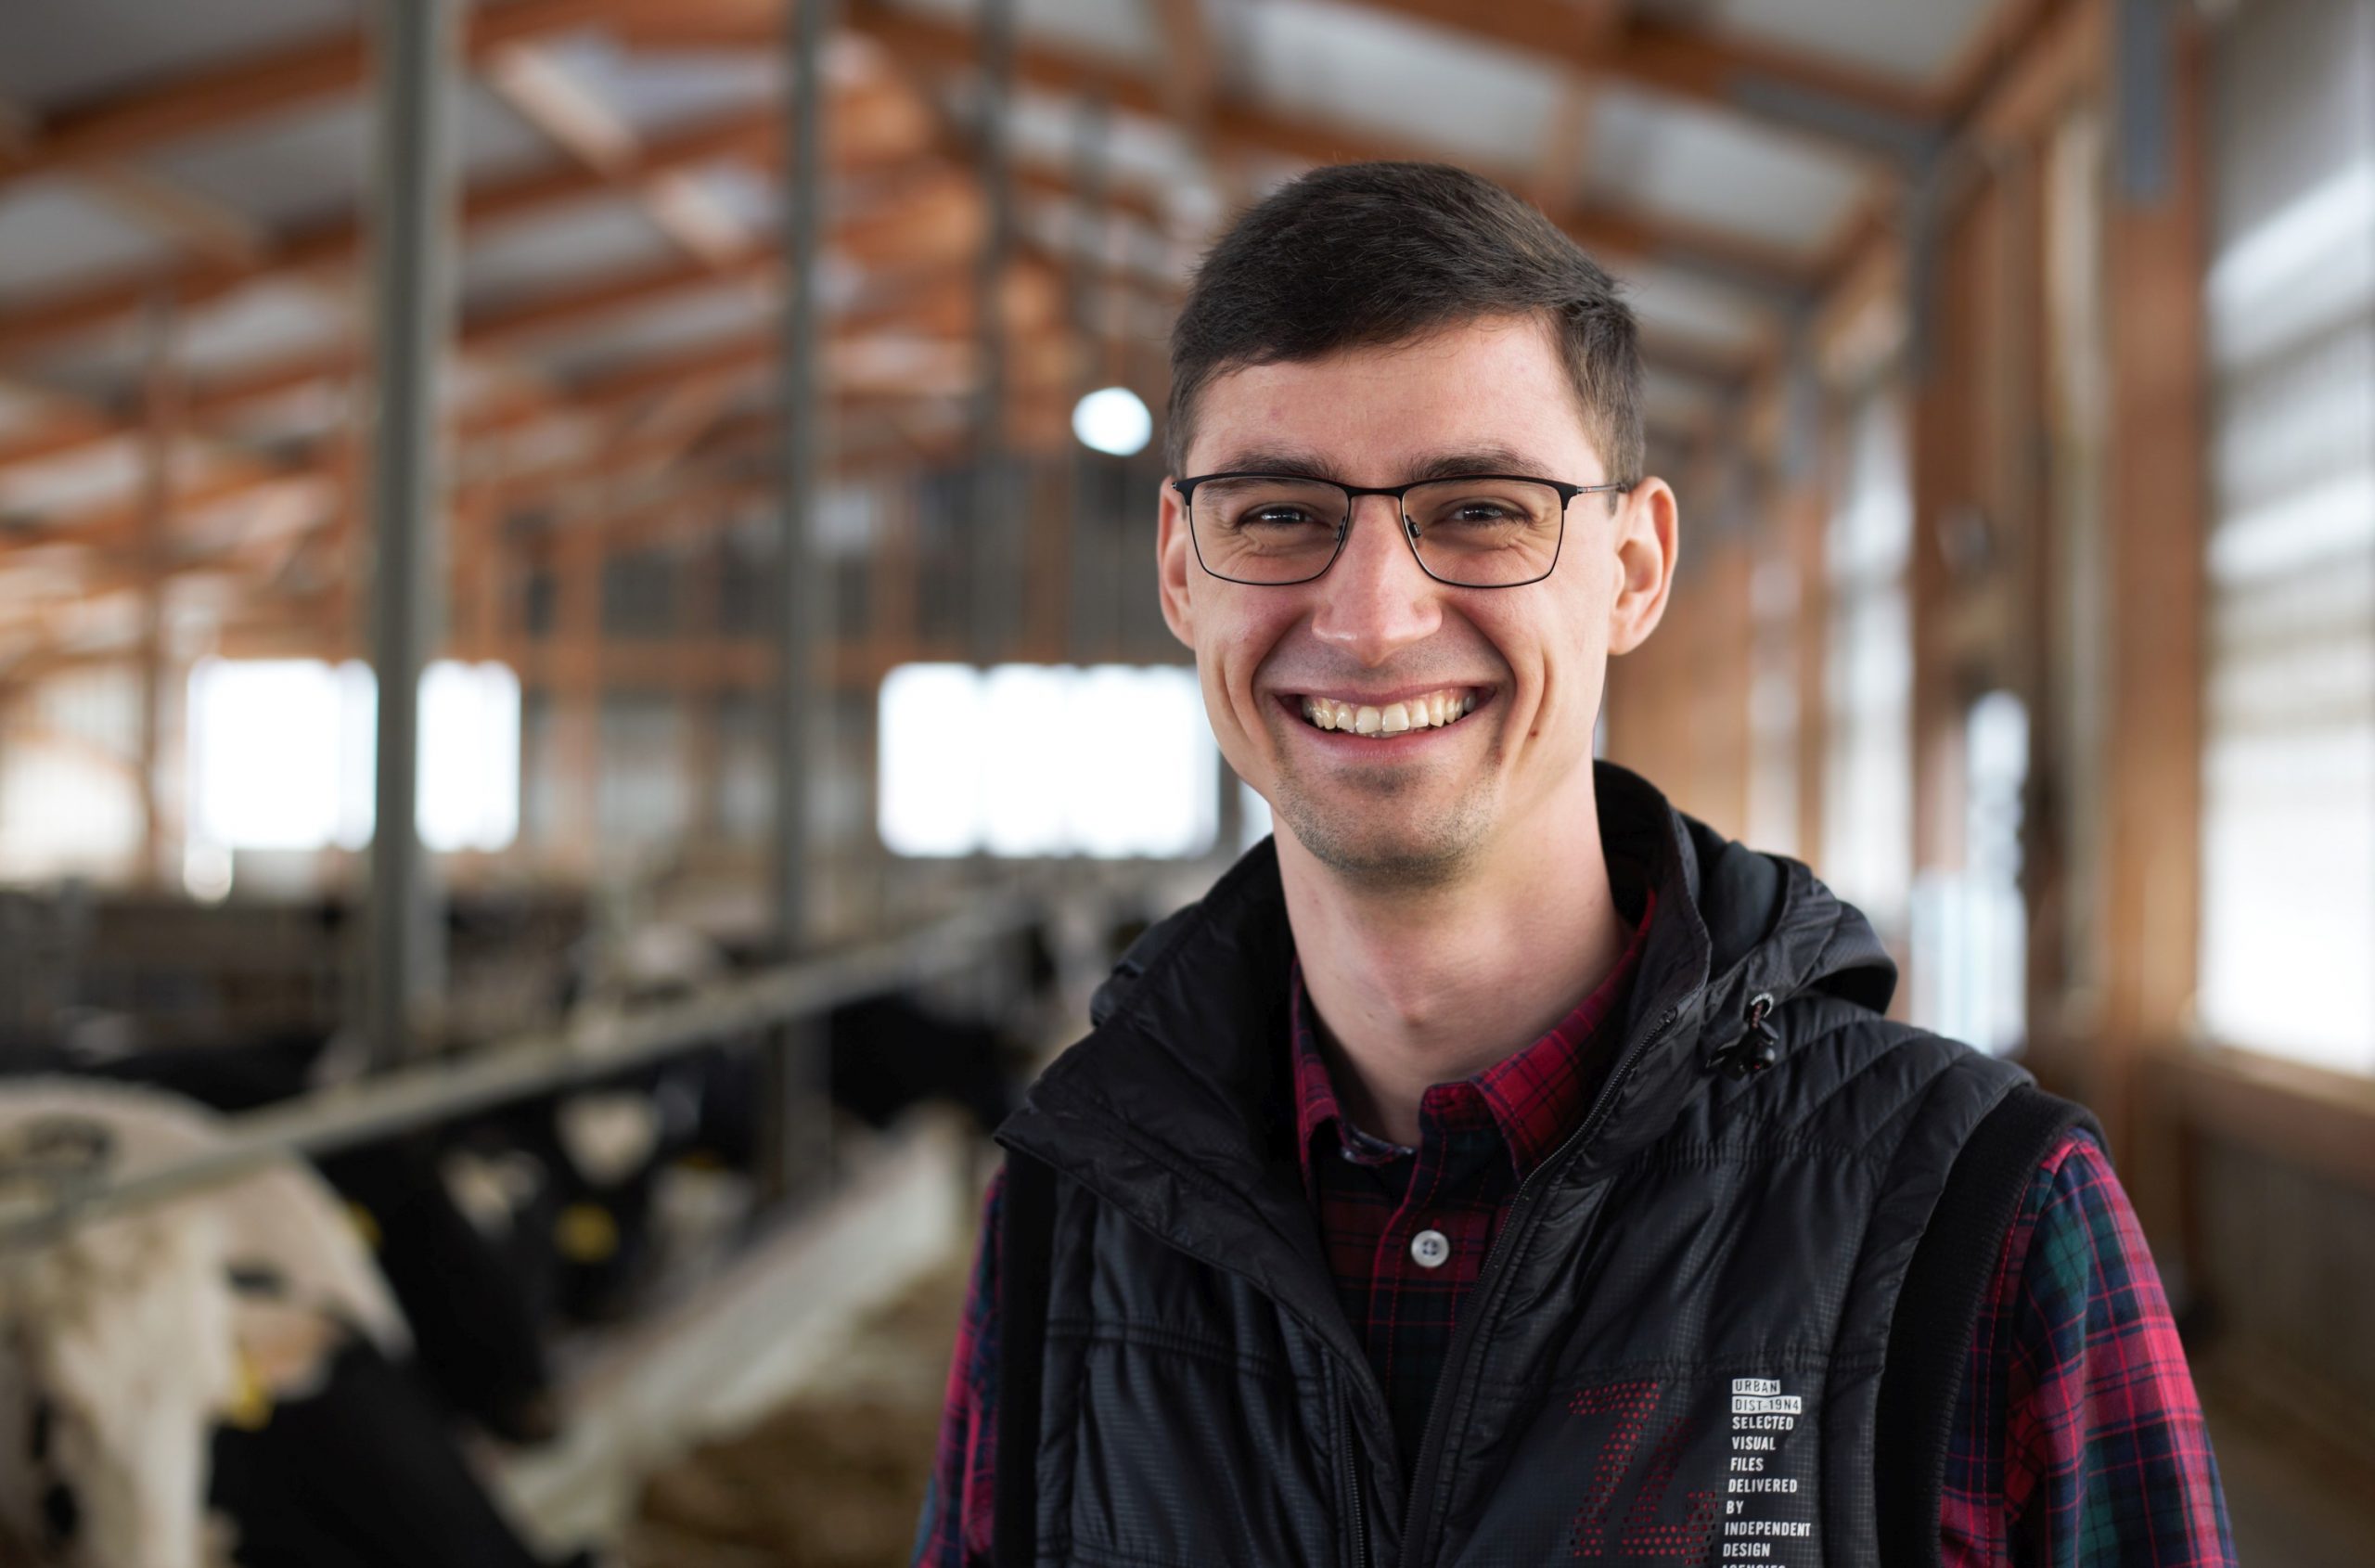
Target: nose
column 1376, row 601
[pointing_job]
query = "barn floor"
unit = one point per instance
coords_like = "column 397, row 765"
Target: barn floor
column 828, row 1317
column 835, row 1478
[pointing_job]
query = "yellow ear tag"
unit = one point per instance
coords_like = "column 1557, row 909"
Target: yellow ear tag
column 250, row 1407
column 367, row 1224
column 586, row 1233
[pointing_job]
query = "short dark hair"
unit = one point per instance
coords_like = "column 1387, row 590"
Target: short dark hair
column 1361, row 255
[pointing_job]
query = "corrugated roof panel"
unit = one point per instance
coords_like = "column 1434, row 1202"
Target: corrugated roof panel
column 1334, row 64
column 71, row 51
column 654, row 91
column 275, row 321
column 1673, row 402
column 1678, row 305
column 21, row 411
column 1120, row 30
column 100, row 365
column 496, row 140
column 1918, row 41
column 53, row 234
column 715, row 315
column 1140, row 153
column 746, row 193
column 283, row 171
column 1718, row 171
column 606, row 235
column 91, row 477
column 304, row 413
column 295, row 169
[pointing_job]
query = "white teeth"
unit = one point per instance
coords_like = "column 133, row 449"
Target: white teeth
column 1436, row 708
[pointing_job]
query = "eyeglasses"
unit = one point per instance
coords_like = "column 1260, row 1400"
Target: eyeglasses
column 1471, row 530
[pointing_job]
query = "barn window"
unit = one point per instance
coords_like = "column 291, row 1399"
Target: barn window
column 281, row 752
column 1024, row 760
column 2289, row 743
column 1868, row 779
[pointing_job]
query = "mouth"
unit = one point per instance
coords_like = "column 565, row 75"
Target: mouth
column 1424, row 710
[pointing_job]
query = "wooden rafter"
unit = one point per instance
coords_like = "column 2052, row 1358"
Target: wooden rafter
column 875, row 124
column 174, row 214
column 261, row 86
column 572, row 116
column 929, row 222
column 943, row 304
column 1191, row 73
column 1241, row 129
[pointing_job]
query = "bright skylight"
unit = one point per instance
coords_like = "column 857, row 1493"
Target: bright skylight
column 1026, row 760
column 281, row 752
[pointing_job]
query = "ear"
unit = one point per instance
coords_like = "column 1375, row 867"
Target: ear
column 1648, row 546
column 1174, row 563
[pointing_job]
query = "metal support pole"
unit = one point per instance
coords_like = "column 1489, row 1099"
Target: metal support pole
column 1092, row 531
column 801, row 1123
column 411, row 260
column 160, row 430
column 993, row 591
column 798, row 590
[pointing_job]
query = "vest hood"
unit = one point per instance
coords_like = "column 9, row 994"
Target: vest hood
column 1180, row 1096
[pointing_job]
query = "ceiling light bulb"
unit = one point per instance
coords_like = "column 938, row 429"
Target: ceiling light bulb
column 1112, row 421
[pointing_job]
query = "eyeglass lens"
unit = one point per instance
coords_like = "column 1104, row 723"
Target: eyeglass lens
column 1478, row 533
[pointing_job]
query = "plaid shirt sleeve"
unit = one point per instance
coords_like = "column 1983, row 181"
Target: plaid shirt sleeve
column 955, row 1529
column 2100, row 1460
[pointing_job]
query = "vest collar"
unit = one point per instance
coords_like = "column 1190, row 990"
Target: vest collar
column 1177, row 1112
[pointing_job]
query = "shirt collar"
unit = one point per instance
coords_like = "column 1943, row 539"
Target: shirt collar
column 1535, row 1095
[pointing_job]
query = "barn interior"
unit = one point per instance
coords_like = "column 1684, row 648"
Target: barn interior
column 737, row 428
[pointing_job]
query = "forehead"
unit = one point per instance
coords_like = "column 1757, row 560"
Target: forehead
column 1370, row 414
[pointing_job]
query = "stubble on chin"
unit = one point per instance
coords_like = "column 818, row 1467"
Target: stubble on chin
column 1358, row 824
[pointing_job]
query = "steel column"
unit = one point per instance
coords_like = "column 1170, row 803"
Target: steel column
column 992, row 555
column 798, row 592
column 798, row 1146
column 1093, row 542
column 411, row 249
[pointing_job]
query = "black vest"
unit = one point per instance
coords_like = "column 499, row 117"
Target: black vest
column 1703, row 1335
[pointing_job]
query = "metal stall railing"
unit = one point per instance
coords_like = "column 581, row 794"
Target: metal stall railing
column 429, row 1092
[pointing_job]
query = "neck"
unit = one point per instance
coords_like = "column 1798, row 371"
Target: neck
column 1435, row 984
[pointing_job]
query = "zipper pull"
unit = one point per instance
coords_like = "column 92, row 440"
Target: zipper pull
column 1757, row 1049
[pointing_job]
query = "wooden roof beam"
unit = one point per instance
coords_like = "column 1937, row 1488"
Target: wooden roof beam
column 1240, row 127
column 1874, row 118
column 111, row 525
column 574, row 117
column 874, row 124
column 246, row 91
column 182, row 218
column 1191, row 73
column 934, row 221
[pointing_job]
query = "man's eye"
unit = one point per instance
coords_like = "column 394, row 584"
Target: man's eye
column 1277, row 517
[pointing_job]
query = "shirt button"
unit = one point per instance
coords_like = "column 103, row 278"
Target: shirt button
column 1430, row 1249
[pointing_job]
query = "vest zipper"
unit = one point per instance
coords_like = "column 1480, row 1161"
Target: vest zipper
column 1360, row 1511
column 1466, row 1338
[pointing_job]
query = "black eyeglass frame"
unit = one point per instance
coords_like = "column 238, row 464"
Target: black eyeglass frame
column 1566, row 492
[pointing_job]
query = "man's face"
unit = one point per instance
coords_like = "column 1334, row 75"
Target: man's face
column 1431, row 802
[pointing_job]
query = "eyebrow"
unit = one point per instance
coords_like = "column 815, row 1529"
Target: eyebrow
column 1297, row 464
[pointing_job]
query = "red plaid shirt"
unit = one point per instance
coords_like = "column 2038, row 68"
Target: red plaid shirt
column 2099, row 1458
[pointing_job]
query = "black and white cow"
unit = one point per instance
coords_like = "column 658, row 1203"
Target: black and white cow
column 213, row 1378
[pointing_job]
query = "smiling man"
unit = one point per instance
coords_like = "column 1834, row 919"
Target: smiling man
column 1499, row 1166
